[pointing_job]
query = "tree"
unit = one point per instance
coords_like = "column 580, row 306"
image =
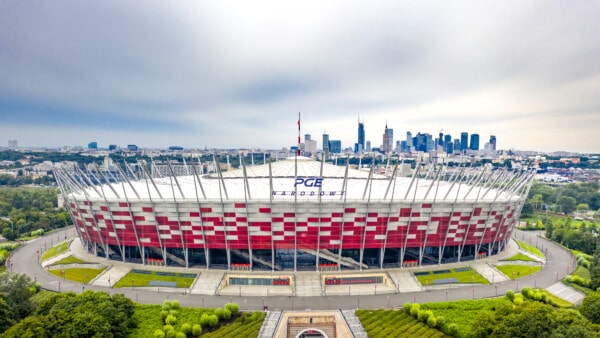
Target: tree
column 17, row 293
column 590, row 307
column 567, row 204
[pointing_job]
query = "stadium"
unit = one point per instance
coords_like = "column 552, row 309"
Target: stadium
column 294, row 214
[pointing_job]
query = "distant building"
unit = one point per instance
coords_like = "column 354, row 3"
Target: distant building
column 464, row 140
column 474, row 142
column 493, row 142
column 388, row 140
column 310, row 145
column 369, row 146
column 325, row 142
column 112, row 147
column 360, row 145
column 93, row 145
column 132, row 147
column 335, row 146
column 175, row 148
column 13, row 144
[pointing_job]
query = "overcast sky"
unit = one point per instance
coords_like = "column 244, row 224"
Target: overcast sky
column 235, row 74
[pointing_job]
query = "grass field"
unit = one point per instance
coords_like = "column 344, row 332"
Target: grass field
column 79, row 275
column 247, row 324
column 521, row 257
column 133, row 279
column 394, row 323
column 463, row 276
column 70, row 260
column 518, row 271
column 582, row 272
column 531, row 249
column 55, row 251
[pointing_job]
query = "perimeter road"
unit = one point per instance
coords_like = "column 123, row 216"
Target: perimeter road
column 559, row 263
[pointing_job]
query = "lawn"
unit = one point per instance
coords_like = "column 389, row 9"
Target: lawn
column 246, row 324
column 531, row 249
column 463, row 313
column 55, row 251
column 463, row 276
column 518, row 271
column 70, row 260
column 142, row 278
column 79, row 275
column 521, row 257
column 582, row 272
column 394, row 323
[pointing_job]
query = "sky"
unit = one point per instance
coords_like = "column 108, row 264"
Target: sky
column 235, row 74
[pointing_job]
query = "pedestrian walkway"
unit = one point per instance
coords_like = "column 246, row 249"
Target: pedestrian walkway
column 358, row 331
column 111, row 275
column 566, row 292
column 489, row 272
column 207, row 283
column 269, row 326
column 308, row 284
column 405, row 281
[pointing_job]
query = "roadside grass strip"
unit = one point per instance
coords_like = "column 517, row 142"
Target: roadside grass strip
column 518, row 271
column 531, row 249
column 79, row 275
column 521, row 257
column 55, row 251
column 148, row 278
column 394, row 323
column 70, row 260
column 582, row 272
column 463, row 275
column 463, row 313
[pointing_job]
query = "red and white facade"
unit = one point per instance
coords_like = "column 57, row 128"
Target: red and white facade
column 297, row 213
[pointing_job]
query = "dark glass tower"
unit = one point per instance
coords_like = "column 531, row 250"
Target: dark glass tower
column 464, row 140
column 474, row 142
column 361, row 138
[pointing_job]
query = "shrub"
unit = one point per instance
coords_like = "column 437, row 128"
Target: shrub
column 180, row 334
column 213, row 320
column 159, row 333
column 196, row 330
column 186, row 328
column 452, row 330
column 218, row 313
column 538, row 295
column 166, row 305
column 414, row 310
column 518, row 301
column 164, row 314
column 167, row 328
column 226, row 314
column 171, row 334
column 171, row 320
column 175, row 305
column 422, row 315
column 545, row 298
column 407, row 307
column 432, row 321
column 441, row 320
column 525, row 291
column 510, row 294
column 233, row 308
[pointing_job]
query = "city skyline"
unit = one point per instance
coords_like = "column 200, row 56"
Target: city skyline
column 229, row 75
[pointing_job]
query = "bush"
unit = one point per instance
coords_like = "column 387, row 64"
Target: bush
column 432, row 321
column 167, row 329
column 226, row 314
column 171, row 320
column 422, row 315
column 213, row 320
column 414, row 310
column 180, row 334
column 159, row 333
column 510, row 294
column 452, row 330
column 166, row 305
column 196, row 330
column 518, row 301
column 175, row 305
column 218, row 313
column 186, row 328
column 441, row 320
column 525, row 291
column 164, row 314
column 233, row 308
column 407, row 307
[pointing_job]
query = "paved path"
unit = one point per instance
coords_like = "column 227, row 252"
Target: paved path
column 489, row 272
column 566, row 292
column 111, row 275
column 207, row 283
column 559, row 263
column 405, row 281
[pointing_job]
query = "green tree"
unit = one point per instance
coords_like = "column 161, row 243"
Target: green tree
column 17, row 293
column 590, row 307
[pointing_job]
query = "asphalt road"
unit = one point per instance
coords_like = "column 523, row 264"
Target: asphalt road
column 559, row 263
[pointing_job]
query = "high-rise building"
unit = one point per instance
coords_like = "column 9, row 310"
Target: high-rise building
column 456, row 144
column 13, row 144
column 335, row 146
column 132, row 147
column 493, row 142
column 447, row 141
column 409, row 142
column 112, row 147
column 474, row 142
column 93, row 145
column 310, row 145
column 388, row 140
column 368, row 146
column 361, row 138
column 464, row 140
column 325, row 142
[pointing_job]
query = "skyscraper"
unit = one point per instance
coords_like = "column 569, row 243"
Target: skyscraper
column 464, row 140
column 388, row 140
column 93, row 145
column 361, row 138
column 493, row 142
column 474, row 142
column 335, row 146
column 325, row 142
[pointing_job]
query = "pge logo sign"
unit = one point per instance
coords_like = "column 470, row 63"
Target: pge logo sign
column 310, row 182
